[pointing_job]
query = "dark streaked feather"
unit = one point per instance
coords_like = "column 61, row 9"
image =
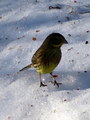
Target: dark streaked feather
column 46, row 57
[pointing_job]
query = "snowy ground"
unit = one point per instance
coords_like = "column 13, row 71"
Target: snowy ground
column 24, row 24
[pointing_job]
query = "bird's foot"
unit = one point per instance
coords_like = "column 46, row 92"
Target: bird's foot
column 56, row 83
column 42, row 84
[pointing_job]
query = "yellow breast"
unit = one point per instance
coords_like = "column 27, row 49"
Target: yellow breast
column 46, row 69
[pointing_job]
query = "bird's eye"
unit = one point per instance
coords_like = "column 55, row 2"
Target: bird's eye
column 56, row 41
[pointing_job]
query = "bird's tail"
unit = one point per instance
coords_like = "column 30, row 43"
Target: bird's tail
column 25, row 68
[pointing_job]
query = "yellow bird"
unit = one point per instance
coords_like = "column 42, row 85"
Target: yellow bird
column 48, row 56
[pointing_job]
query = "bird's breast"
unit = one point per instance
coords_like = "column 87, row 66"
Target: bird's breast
column 48, row 62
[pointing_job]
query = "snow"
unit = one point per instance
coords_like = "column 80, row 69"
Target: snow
column 21, row 98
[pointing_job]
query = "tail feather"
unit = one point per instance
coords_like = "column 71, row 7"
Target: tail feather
column 25, row 68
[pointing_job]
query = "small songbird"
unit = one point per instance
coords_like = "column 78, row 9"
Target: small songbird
column 48, row 56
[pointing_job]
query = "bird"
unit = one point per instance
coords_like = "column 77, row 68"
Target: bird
column 47, row 57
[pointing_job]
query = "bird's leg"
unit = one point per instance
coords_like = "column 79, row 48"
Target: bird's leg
column 54, row 81
column 41, row 83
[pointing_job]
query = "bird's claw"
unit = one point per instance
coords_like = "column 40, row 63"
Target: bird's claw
column 42, row 84
column 56, row 83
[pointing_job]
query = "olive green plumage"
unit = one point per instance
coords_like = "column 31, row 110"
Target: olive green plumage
column 48, row 56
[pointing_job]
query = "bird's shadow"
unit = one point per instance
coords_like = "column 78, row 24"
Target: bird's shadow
column 70, row 80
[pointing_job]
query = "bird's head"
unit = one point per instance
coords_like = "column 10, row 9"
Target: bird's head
column 55, row 40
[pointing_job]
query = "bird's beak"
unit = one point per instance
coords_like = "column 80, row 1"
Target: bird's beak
column 65, row 42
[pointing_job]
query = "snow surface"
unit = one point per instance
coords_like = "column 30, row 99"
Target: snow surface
column 23, row 21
